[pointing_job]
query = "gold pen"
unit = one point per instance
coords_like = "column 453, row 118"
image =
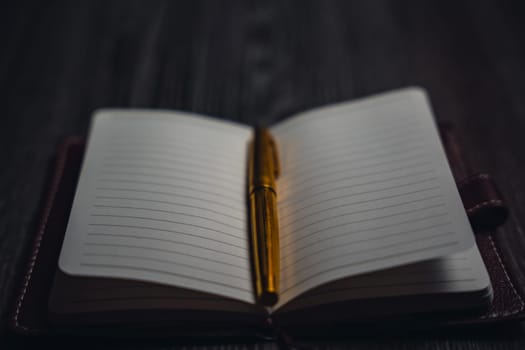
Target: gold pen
column 263, row 169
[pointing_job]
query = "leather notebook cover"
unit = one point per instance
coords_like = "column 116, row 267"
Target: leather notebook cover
column 481, row 199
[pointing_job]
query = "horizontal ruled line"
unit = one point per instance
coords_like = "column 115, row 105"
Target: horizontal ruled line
column 334, row 144
column 171, row 194
column 222, row 176
column 119, row 245
column 184, row 205
column 325, row 239
column 164, row 261
column 190, row 188
column 170, row 231
column 229, row 186
column 186, row 146
column 405, row 167
column 182, row 122
column 171, row 155
column 306, row 174
column 169, row 212
column 326, row 218
column 354, row 193
column 141, row 268
column 208, row 167
column 340, row 134
column 361, row 220
column 195, row 148
column 207, row 228
column 350, row 152
column 131, row 286
column 181, row 143
column 364, row 251
column 289, row 223
column 365, row 175
column 156, row 239
column 295, row 252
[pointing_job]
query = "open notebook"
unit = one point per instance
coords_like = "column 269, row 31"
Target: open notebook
column 369, row 214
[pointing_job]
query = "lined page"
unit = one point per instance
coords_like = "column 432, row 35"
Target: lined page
column 365, row 186
column 161, row 198
column 456, row 274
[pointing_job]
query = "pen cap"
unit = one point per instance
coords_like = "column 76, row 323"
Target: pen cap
column 264, row 160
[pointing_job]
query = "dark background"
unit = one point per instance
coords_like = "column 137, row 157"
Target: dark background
column 256, row 61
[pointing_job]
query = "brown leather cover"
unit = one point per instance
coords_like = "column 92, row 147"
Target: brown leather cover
column 482, row 201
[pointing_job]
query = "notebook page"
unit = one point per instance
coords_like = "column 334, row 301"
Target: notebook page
column 161, row 198
column 365, row 186
column 462, row 272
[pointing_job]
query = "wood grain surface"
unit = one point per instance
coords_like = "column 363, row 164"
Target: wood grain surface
column 256, row 62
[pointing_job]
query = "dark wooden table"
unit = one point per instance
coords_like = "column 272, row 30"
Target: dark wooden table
column 254, row 61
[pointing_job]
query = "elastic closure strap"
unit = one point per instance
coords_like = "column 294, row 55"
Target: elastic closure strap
column 483, row 202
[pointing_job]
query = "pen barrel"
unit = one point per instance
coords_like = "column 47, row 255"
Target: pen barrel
column 265, row 244
column 264, row 166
